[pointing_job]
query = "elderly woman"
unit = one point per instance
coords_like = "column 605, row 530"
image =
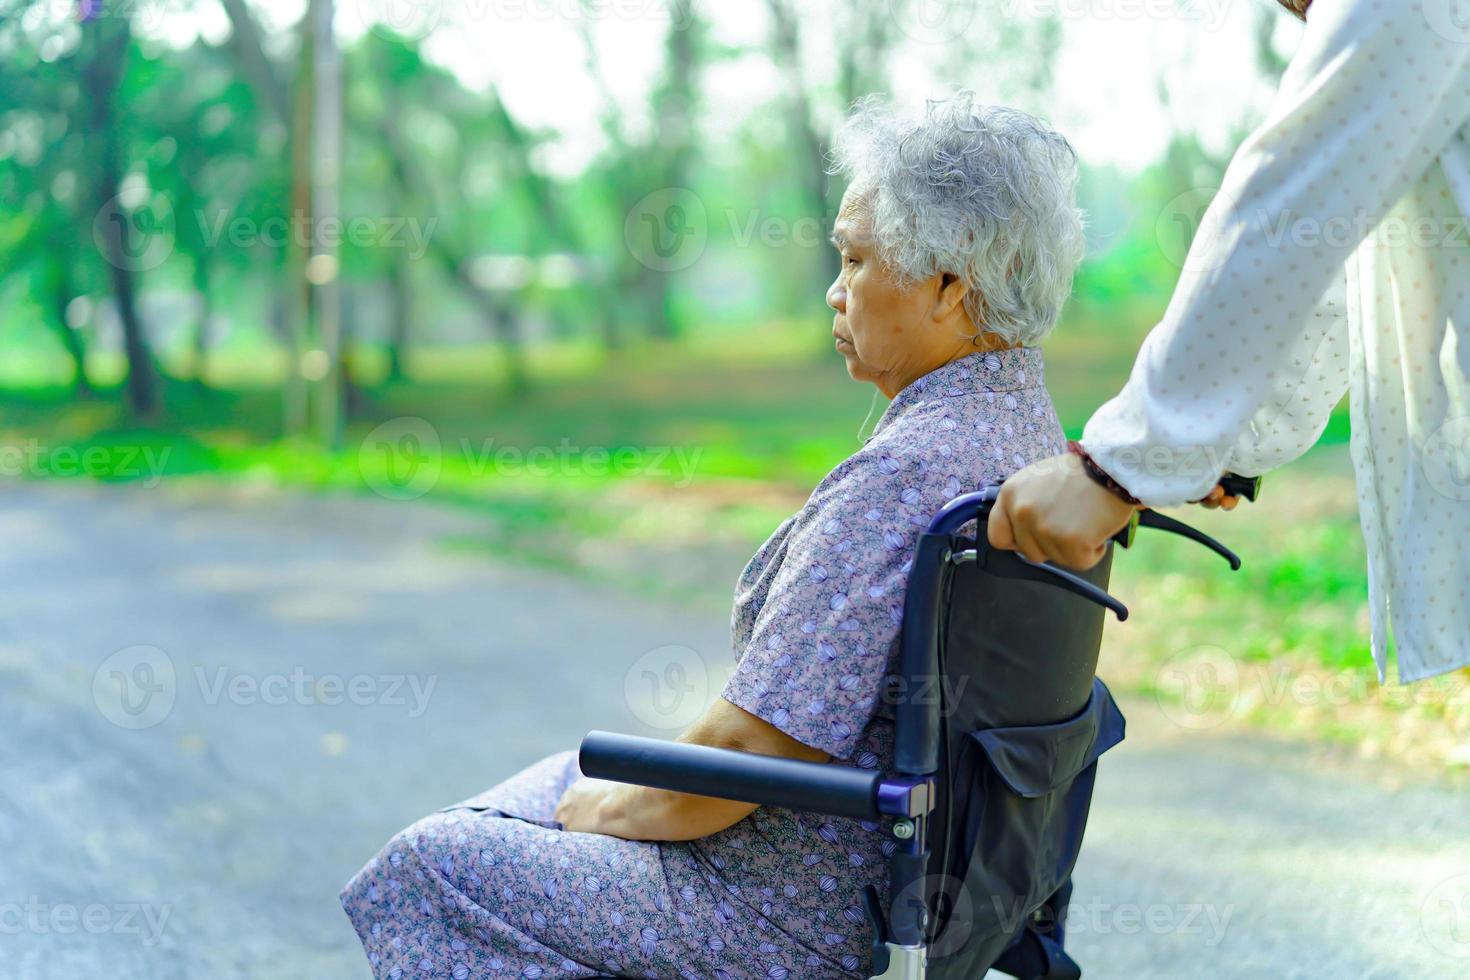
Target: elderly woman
column 959, row 238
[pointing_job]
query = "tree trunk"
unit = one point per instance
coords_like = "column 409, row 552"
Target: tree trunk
column 498, row 316
column 326, row 168
column 400, row 315
column 110, row 38
column 202, row 339
column 787, row 43
column 61, row 297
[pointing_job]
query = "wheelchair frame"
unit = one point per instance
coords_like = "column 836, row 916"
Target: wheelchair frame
column 909, row 793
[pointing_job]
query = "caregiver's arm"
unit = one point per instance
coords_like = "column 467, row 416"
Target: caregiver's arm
column 1373, row 94
column 1371, row 97
column 644, row 813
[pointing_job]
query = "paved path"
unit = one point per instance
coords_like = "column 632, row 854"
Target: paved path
column 217, row 704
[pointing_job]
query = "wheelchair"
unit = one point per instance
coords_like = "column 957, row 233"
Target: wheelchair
column 999, row 720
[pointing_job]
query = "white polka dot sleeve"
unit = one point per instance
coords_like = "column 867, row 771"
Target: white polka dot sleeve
column 1302, row 403
column 1374, row 92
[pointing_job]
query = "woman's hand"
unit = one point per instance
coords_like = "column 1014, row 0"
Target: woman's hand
column 580, row 808
column 1053, row 511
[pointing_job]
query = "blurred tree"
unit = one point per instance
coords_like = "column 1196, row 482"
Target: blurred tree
column 41, row 223
column 628, row 172
column 811, row 155
column 206, row 158
column 414, row 102
column 285, row 120
column 862, row 50
column 102, row 60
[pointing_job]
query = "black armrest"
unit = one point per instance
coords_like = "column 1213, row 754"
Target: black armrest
column 817, row 787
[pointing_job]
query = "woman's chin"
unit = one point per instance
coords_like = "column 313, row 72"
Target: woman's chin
column 856, row 370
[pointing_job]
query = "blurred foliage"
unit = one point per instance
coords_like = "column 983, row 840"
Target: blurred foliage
column 153, row 306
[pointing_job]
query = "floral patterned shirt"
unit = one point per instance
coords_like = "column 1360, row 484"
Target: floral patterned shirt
column 817, row 610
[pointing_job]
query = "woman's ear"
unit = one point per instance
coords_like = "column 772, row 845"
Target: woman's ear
column 951, row 295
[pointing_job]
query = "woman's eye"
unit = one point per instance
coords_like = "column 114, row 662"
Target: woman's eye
column 850, row 260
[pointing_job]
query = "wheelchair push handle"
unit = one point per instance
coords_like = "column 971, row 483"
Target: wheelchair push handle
column 1007, row 564
column 1235, row 485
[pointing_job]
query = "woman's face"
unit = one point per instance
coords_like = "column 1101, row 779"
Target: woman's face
column 889, row 336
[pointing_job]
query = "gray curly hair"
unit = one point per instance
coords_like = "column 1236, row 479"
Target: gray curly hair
column 983, row 192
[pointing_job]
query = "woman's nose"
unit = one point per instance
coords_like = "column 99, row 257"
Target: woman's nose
column 837, row 296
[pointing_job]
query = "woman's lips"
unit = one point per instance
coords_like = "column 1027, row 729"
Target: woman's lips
column 843, row 343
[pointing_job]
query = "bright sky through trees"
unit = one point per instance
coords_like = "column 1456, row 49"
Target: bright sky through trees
column 1115, row 55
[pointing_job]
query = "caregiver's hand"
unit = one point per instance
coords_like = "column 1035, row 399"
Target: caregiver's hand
column 1219, row 498
column 1053, row 511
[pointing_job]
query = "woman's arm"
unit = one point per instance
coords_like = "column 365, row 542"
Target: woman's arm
column 597, row 806
column 1373, row 95
column 1370, row 99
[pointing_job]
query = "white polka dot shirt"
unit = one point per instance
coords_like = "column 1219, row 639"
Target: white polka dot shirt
column 1335, row 257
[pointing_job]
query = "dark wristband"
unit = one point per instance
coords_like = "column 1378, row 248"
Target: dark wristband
column 1099, row 475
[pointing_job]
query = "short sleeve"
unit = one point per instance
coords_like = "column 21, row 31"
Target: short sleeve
column 823, row 642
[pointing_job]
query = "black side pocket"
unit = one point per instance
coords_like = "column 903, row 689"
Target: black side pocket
column 1024, row 798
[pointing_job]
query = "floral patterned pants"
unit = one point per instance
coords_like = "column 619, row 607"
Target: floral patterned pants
column 493, row 887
